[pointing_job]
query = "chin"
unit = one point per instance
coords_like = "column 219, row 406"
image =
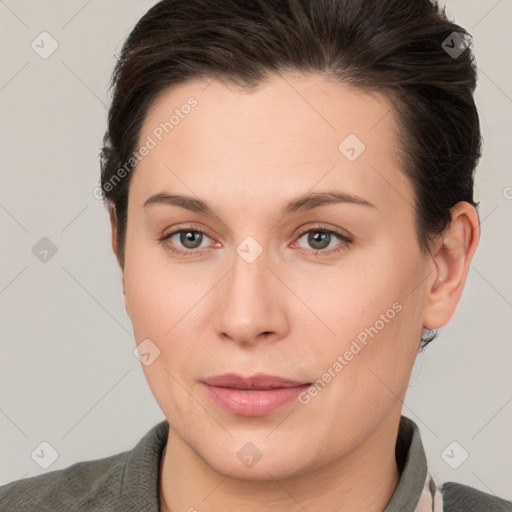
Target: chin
column 261, row 471
column 245, row 461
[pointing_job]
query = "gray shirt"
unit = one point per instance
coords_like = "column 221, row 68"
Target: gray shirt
column 128, row 481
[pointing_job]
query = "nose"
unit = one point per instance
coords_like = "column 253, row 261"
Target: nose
column 252, row 305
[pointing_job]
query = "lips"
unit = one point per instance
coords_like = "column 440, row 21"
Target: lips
column 256, row 382
column 257, row 395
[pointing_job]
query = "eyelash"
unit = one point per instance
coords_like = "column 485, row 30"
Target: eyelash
column 315, row 252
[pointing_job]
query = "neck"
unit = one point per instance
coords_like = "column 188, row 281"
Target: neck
column 363, row 479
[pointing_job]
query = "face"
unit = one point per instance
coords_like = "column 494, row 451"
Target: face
column 249, row 276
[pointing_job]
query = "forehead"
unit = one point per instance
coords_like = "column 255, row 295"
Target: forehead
column 291, row 132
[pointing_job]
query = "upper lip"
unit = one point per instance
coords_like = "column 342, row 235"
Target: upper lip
column 258, row 381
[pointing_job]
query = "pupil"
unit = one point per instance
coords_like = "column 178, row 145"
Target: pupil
column 314, row 239
column 189, row 237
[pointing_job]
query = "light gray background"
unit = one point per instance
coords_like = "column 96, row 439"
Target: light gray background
column 68, row 375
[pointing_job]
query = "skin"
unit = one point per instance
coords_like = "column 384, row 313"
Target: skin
column 290, row 312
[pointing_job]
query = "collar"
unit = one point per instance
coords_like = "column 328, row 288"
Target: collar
column 416, row 490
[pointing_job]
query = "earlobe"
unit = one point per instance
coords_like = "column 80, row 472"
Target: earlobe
column 452, row 258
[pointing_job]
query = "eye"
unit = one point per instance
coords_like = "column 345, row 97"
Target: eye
column 186, row 240
column 323, row 240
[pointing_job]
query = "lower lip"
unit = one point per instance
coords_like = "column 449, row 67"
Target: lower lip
column 253, row 402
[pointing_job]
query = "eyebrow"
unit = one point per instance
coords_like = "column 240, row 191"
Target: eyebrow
column 300, row 204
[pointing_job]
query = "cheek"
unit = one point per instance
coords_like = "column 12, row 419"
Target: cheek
column 356, row 299
column 157, row 292
column 160, row 304
column 164, row 304
column 170, row 305
column 371, row 324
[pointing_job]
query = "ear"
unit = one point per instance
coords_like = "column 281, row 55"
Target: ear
column 452, row 257
column 113, row 226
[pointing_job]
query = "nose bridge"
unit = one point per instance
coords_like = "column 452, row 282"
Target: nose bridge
column 249, row 302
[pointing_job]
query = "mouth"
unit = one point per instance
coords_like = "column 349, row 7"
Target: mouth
column 256, row 395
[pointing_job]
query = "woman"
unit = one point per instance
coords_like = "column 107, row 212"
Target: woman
column 290, row 189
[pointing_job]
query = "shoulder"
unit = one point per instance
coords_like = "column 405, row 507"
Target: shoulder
column 124, row 481
column 462, row 498
column 77, row 487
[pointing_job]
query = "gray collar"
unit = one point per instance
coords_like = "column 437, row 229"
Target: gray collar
column 411, row 456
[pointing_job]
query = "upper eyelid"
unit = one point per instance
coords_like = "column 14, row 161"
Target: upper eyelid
column 320, row 228
column 189, row 228
column 299, row 234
